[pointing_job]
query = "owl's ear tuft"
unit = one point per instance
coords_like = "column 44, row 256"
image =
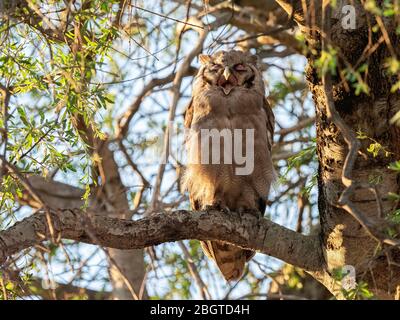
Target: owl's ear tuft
column 253, row 59
column 204, row 58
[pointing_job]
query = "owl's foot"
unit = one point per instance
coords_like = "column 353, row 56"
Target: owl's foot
column 254, row 212
column 225, row 210
column 210, row 207
column 217, row 207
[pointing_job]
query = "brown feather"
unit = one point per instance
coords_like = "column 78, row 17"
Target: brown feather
column 229, row 100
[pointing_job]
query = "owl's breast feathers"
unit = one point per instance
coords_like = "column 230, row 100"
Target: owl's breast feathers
column 218, row 184
column 234, row 113
column 214, row 104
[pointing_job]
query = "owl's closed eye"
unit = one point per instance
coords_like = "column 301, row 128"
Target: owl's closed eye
column 228, row 96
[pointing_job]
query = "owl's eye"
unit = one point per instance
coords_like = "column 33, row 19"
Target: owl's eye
column 215, row 67
column 240, row 67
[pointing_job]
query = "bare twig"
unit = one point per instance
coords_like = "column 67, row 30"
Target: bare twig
column 6, row 95
column 195, row 273
column 194, row 25
column 172, row 110
column 300, row 125
column 27, row 185
column 46, row 20
column 124, row 120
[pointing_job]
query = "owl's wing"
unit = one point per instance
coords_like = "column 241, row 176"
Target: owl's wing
column 270, row 123
column 262, row 203
column 188, row 115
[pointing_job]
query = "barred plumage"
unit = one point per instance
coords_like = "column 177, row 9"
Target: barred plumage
column 228, row 93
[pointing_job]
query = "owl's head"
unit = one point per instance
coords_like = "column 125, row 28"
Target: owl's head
column 228, row 70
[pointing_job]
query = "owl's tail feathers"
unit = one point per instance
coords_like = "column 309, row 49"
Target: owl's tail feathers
column 231, row 260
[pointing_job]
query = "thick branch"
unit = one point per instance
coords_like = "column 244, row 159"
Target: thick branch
column 54, row 193
column 246, row 231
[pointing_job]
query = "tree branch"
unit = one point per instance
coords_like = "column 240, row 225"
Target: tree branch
column 246, row 231
column 62, row 291
column 124, row 120
column 54, row 193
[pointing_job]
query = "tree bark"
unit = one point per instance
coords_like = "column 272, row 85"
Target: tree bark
column 246, row 231
column 345, row 241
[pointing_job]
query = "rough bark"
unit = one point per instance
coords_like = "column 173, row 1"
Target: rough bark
column 345, row 241
column 246, row 231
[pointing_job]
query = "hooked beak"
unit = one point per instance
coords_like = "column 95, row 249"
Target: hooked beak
column 227, row 73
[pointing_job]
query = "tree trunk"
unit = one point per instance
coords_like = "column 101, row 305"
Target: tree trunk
column 127, row 269
column 344, row 240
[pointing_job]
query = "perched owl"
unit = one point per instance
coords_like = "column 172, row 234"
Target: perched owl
column 229, row 98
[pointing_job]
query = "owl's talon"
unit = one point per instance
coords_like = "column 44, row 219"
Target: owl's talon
column 217, row 207
column 254, row 212
column 240, row 212
column 225, row 210
column 210, row 207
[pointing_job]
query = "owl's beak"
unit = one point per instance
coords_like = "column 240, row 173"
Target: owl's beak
column 227, row 73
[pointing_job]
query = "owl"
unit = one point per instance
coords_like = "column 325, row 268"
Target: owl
column 228, row 99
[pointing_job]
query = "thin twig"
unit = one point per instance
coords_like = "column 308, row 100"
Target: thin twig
column 124, row 120
column 172, row 110
column 27, row 185
column 205, row 294
column 199, row 26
